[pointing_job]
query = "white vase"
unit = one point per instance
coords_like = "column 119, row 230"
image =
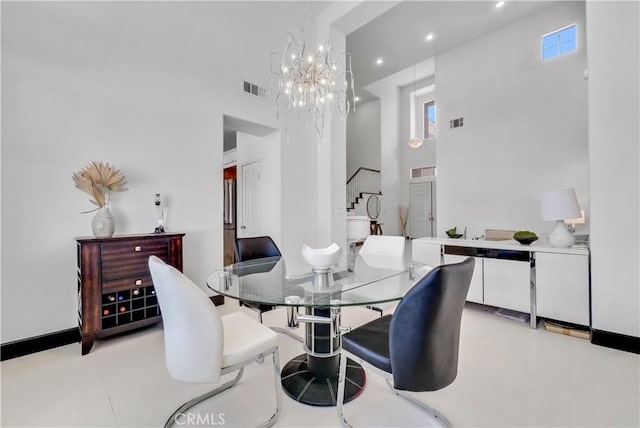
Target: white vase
column 102, row 223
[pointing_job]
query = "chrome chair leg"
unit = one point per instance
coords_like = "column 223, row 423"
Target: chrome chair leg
column 276, row 375
column 439, row 417
column 288, row 333
column 342, row 375
column 187, row 405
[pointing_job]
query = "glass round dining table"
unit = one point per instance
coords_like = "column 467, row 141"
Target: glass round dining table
column 312, row 377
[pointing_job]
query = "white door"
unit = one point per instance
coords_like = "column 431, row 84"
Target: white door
column 249, row 200
column 422, row 199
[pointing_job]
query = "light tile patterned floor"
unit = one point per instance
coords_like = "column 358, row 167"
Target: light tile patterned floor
column 509, row 376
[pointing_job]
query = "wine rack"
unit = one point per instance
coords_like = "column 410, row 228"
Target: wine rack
column 115, row 290
column 123, row 307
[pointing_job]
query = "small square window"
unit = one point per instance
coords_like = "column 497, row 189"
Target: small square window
column 559, row 42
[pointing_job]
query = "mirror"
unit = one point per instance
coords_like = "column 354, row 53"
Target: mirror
column 373, row 207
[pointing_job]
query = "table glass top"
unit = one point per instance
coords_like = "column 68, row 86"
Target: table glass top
column 373, row 279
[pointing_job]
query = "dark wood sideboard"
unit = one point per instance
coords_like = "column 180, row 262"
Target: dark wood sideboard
column 115, row 291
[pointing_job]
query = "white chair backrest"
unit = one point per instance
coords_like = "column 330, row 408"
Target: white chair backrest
column 193, row 333
column 384, row 245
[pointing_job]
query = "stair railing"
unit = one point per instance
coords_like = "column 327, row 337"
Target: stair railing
column 364, row 180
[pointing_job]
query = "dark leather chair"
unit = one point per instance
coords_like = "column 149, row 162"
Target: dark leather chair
column 418, row 344
column 255, row 248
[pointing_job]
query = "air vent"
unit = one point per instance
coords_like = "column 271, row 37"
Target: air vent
column 253, row 89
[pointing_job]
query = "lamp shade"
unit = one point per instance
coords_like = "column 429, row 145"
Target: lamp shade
column 560, row 205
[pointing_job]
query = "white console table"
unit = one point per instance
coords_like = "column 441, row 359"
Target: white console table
column 541, row 280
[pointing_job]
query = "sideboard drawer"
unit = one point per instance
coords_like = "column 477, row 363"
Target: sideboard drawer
column 130, row 258
column 126, row 283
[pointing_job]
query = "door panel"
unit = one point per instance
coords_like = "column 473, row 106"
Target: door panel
column 422, row 209
column 250, row 200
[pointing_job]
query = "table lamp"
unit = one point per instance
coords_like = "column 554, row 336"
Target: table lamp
column 558, row 206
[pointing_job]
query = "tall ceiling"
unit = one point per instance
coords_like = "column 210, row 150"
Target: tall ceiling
column 398, row 35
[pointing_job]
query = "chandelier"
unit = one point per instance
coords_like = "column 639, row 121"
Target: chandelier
column 312, row 82
column 415, row 142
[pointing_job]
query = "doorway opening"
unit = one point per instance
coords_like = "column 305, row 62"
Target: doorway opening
column 252, row 182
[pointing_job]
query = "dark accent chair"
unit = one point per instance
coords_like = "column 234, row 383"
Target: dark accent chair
column 418, row 344
column 255, row 248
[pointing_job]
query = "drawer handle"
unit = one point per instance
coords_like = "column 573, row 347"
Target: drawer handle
column 138, row 282
column 137, row 248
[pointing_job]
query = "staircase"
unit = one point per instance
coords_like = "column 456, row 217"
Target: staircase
column 364, row 182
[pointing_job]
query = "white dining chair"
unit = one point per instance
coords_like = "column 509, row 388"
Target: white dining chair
column 200, row 345
column 383, row 245
column 391, row 250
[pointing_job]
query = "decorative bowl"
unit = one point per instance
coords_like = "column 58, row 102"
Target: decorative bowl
column 321, row 258
column 525, row 237
column 453, row 233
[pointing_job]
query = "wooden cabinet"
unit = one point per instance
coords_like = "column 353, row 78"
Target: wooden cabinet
column 115, row 290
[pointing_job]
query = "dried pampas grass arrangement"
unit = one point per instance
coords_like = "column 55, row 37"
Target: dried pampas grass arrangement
column 98, row 179
column 404, row 213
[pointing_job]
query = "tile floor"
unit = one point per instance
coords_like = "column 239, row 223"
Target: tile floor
column 509, row 376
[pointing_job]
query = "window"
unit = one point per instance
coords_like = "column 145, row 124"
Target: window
column 425, row 171
column 429, row 112
column 559, row 42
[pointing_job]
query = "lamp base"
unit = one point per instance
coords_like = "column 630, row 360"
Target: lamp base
column 560, row 237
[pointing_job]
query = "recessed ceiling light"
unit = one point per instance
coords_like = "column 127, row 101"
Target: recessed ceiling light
column 429, row 36
column 379, row 61
column 500, row 4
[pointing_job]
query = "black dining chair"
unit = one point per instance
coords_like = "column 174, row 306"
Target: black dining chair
column 256, row 248
column 417, row 345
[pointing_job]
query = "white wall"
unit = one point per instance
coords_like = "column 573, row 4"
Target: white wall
column 525, row 125
column 266, row 149
column 144, row 86
column 614, row 91
column 390, row 160
column 363, row 137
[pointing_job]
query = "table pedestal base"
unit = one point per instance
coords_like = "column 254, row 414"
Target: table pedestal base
column 313, row 380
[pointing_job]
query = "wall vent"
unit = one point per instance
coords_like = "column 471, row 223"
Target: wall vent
column 253, row 89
